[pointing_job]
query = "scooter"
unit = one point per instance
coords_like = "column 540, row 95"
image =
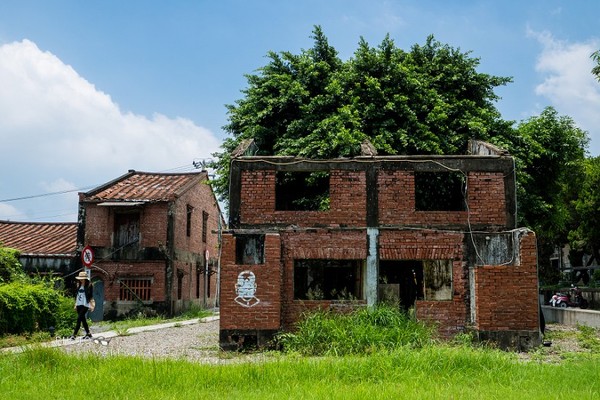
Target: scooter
column 564, row 300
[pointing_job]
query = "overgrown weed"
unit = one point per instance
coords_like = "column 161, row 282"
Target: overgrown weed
column 364, row 331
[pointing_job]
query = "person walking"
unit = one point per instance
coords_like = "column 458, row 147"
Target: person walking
column 82, row 303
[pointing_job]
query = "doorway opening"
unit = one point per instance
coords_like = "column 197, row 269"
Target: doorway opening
column 400, row 282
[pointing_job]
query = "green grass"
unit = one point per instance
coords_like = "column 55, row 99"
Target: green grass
column 372, row 354
column 430, row 372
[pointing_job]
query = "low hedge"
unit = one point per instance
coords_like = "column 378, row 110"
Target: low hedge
column 28, row 307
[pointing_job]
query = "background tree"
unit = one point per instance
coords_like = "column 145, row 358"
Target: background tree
column 550, row 152
column 429, row 100
column 585, row 237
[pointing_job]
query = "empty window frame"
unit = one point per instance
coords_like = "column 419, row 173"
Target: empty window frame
column 250, row 249
column 188, row 220
column 327, row 279
column 437, row 279
column 440, row 191
column 204, row 226
column 135, row 289
column 302, row 191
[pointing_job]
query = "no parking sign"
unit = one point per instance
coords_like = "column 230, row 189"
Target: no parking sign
column 87, row 256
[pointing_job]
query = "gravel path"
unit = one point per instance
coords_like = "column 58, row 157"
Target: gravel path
column 197, row 342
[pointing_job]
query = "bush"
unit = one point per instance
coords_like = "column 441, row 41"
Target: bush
column 361, row 332
column 27, row 307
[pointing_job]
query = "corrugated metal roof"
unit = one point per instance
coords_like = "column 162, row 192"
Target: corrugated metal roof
column 145, row 186
column 59, row 238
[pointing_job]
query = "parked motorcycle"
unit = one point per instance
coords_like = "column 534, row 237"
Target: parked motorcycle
column 572, row 299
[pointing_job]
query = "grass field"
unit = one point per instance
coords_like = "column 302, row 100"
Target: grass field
column 432, row 372
column 376, row 354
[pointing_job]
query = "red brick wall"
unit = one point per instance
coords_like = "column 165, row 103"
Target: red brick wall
column 347, row 196
column 100, row 225
column 110, row 271
column 266, row 314
column 485, row 194
column 190, row 249
column 506, row 295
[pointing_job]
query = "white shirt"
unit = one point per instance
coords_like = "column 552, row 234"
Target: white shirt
column 80, row 300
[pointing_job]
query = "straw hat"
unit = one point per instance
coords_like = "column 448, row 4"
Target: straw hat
column 82, row 275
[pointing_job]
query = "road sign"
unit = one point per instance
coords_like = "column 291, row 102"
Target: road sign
column 87, row 256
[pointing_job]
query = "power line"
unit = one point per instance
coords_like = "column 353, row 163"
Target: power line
column 44, row 194
column 183, row 168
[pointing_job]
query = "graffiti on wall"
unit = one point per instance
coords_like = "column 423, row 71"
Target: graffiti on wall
column 245, row 288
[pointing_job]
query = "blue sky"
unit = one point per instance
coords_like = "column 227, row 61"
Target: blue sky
column 90, row 90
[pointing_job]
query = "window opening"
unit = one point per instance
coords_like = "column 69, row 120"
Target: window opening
column 250, row 249
column 135, row 289
column 179, row 286
column 127, row 235
column 440, row 191
column 188, row 219
column 437, row 279
column 302, row 191
column 204, row 226
column 198, row 275
column 207, row 276
column 327, row 279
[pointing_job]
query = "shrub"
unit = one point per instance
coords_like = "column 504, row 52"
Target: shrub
column 27, row 307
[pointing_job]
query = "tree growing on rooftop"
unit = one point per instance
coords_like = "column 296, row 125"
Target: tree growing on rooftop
column 429, row 100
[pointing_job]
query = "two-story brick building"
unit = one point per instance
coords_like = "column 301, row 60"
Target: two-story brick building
column 155, row 241
column 437, row 233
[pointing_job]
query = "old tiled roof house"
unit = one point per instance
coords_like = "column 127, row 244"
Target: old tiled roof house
column 437, row 233
column 45, row 247
column 155, row 241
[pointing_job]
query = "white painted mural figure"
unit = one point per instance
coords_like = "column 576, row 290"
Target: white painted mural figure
column 245, row 288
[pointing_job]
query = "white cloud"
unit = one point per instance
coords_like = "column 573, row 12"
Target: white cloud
column 10, row 213
column 58, row 132
column 568, row 82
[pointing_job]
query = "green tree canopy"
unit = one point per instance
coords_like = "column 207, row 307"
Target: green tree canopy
column 586, row 235
column 429, row 100
column 549, row 150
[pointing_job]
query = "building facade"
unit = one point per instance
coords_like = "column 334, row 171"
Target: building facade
column 433, row 233
column 154, row 238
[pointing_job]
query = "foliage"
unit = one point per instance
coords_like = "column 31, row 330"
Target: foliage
column 586, row 236
column 596, row 70
column 361, row 332
column 27, row 308
column 429, row 100
column 10, row 267
column 549, row 151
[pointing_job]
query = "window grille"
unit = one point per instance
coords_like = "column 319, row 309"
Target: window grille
column 135, row 289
